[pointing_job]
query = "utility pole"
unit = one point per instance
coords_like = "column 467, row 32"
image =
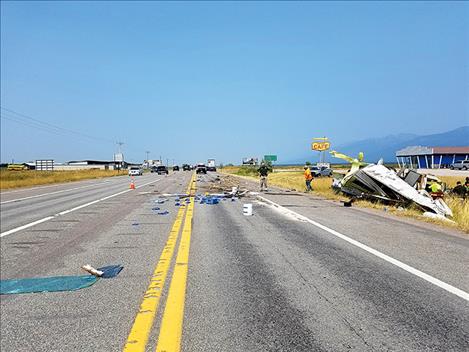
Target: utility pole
column 120, row 144
column 147, row 162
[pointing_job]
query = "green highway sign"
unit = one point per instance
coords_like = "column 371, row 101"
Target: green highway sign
column 270, row 157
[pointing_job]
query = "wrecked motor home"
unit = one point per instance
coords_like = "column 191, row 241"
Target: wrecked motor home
column 406, row 187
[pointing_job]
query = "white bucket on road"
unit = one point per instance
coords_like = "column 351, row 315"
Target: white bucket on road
column 247, row 209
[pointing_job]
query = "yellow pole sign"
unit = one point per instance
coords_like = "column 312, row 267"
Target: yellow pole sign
column 320, row 144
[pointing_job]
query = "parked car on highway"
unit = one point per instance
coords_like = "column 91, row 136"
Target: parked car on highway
column 175, row 168
column 162, row 170
column 200, row 169
column 186, row 167
column 460, row 165
column 135, row 171
column 320, row 171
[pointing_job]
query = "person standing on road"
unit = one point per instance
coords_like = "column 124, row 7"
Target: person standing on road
column 263, row 172
column 308, row 178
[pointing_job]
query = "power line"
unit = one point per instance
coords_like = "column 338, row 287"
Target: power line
column 29, row 124
column 35, row 123
column 48, row 126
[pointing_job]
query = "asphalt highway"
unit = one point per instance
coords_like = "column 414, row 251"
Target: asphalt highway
column 300, row 274
column 21, row 207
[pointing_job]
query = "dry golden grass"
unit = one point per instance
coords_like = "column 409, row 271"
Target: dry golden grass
column 460, row 208
column 29, row 178
column 295, row 180
column 451, row 180
column 322, row 186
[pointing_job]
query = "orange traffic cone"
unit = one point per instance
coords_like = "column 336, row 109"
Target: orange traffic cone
column 132, row 183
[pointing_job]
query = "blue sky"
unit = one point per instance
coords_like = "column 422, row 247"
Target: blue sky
column 197, row 80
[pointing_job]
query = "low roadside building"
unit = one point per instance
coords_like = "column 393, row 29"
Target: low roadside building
column 419, row 157
column 90, row 164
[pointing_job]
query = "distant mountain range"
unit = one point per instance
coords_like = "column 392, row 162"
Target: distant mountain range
column 386, row 147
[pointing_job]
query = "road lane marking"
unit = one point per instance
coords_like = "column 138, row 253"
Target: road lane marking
column 107, row 179
column 454, row 290
column 31, row 224
column 46, row 194
column 139, row 334
column 48, row 186
column 171, row 325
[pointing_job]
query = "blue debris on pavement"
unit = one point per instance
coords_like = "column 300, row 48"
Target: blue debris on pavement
column 110, row 271
column 56, row 283
column 209, row 200
column 46, row 284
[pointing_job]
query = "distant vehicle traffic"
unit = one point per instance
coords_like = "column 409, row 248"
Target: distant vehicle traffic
column 186, row 167
column 211, row 165
column 135, row 171
column 460, row 165
column 200, row 169
column 250, row 161
column 160, row 170
column 175, row 168
column 17, row 167
column 320, row 171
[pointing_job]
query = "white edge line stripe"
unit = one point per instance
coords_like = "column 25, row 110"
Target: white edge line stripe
column 46, row 194
column 26, row 226
column 52, row 185
column 408, row 268
column 16, row 229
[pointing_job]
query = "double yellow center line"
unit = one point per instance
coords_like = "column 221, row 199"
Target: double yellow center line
column 171, row 325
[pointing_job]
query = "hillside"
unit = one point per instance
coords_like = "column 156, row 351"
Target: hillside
column 386, row 147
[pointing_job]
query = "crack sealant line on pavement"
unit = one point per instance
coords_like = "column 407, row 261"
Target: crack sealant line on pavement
column 296, row 216
column 31, row 224
column 143, row 323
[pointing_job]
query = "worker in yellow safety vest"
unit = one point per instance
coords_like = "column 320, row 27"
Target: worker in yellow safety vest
column 435, row 187
column 308, row 178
